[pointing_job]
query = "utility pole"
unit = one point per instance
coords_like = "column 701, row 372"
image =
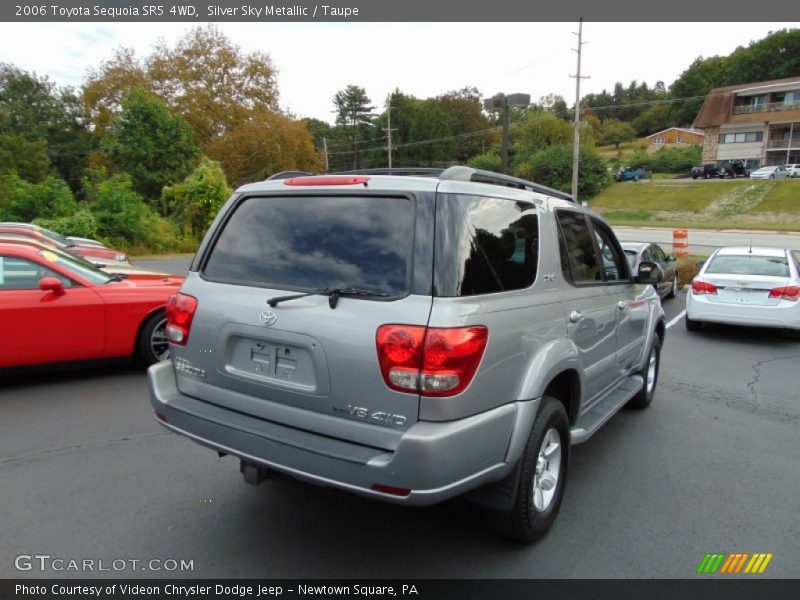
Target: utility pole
column 389, row 129
column 325, row 152
column 504, row 146
column 577, row 142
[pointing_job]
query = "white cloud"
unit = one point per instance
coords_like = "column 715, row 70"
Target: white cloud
column 315, row 60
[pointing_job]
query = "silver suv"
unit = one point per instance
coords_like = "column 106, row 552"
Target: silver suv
column 410, row 338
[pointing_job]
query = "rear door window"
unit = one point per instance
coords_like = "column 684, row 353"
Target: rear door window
column 484, row 245
column 310, row 243
column 578, row 252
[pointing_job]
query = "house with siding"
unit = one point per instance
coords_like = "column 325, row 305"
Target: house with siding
column 758, row 123
column 676, row 136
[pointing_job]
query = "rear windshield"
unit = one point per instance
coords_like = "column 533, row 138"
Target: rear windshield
column 748, row 264
column 484, row 245
column 321, row 242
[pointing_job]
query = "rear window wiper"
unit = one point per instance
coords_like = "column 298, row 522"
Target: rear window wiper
column 332, row 294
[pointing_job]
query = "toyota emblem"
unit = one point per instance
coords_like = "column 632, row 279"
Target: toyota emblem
column 268, row 318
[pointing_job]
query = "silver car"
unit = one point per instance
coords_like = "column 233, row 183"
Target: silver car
column 773, row 172
column 638, row 252
column 747, row 286
column 410, row 338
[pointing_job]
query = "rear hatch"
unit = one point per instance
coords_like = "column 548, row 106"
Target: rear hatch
column 307, row 349
column 746, row 279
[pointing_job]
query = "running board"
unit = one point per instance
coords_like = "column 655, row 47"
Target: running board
column 589, row 422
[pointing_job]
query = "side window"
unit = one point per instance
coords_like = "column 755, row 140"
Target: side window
column 613, row 262
column 578, row 253
column 658, row 255
column 484, row 245
column 20, row 274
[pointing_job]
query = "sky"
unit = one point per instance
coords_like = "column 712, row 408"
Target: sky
column 315, row 60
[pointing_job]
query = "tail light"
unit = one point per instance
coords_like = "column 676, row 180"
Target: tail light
column 432, row 361
column 180, row 312
column 703, row 287
column 790, row 292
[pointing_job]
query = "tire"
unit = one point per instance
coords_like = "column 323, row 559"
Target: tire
column 535, row 508
column 695, row 175
column 792, row 334
column 706, row 176
column 152, row 343
column 772, row 176
column 692, row 325
column 674, row 289
column 644, row 397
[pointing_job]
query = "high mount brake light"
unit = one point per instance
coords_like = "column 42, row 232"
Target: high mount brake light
column 327, row 180
column 180, row 312
column 432, row 361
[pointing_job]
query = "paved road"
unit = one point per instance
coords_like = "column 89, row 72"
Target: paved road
column 702, row 241
column 712, row 465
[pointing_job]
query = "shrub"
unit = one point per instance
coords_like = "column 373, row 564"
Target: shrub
column 81, row 223
column 488, row 161
column 24, row 201
column 197, row 199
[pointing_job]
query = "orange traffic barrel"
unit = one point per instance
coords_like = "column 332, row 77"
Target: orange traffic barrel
column 680, row 242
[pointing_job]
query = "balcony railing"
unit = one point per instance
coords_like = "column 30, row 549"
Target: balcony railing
column 766, row 107
column 783, row 144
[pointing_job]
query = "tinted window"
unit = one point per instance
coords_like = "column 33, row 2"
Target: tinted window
column 749, row 264
column 320, row 242
column 578, row 253
column 658, row 254
column 612, row 262
column 484, row 245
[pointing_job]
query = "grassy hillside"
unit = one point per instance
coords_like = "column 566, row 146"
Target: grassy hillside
column 714, row 204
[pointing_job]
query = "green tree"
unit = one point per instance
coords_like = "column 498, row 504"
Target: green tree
column 355, row 112
column 540, row 129
column 150, row 143
column 24, row 156
column 24, row 201
column 615, row 132
column 552, row 166
column 120, row 213
column 197, row 200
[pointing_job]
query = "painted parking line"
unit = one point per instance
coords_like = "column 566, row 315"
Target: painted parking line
column 676, row 319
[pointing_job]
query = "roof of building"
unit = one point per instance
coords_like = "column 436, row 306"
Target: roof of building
column 694, row 131
column 718, row 105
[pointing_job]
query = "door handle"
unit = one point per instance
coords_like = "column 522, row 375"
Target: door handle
column 575, row 316
column 622, row 305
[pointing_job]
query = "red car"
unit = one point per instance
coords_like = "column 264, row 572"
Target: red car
column 96, row 254
column 56, row 309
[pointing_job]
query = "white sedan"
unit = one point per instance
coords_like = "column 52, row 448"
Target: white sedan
column 774, row 172
column 747, row 286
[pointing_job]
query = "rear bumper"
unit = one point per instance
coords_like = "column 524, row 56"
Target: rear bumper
column 783, row 315
column 435, row 461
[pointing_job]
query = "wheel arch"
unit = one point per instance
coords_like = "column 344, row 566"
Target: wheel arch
column 153, row 311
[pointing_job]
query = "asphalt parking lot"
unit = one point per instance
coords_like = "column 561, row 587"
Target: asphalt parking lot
column 713, row 465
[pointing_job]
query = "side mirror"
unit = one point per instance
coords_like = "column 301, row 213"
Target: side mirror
column 51, row 284
column 649, row 272
column 671, row 258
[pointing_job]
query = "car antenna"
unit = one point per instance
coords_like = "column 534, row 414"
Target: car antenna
column 750, row 251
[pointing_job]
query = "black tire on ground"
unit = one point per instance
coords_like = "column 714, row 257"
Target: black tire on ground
column 707, row 176
column 792, row 334
column 693, row 325
column 695, row 176
column 644, row 396
column 153, row 326
column 674, row 289
column 524, row 522
column 772, row 176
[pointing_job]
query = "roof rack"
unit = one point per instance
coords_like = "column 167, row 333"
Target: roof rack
column 462, row 173
column 418, row 171
column 288, row 175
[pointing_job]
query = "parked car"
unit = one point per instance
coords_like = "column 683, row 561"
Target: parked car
column 631, row 174
column 92, row 253
column 705, row 171
column 82, row 241
column 772, row 172
column 794, row 170
column 55, row 309
column 734, row 168
column 112, row 269
column 747, row 286
column 410, row 339
column 637, row 253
